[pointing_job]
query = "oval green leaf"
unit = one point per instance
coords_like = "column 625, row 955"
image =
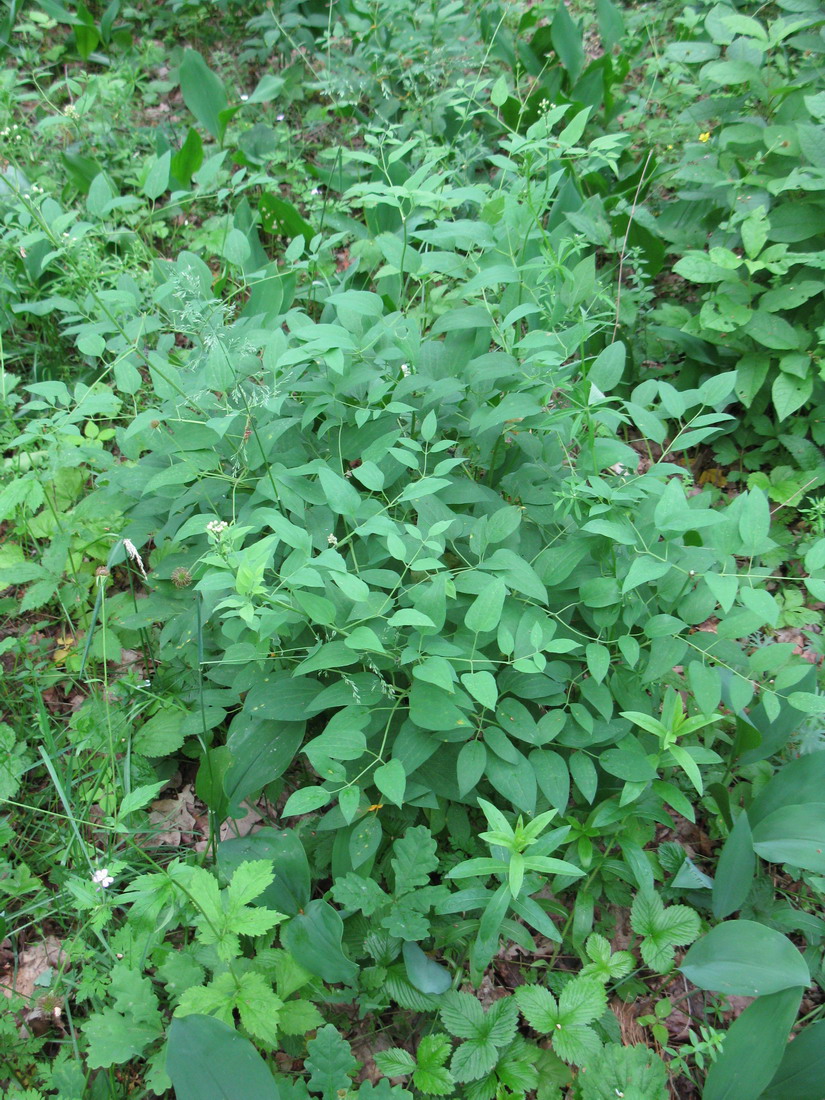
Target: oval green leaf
column 746, row 959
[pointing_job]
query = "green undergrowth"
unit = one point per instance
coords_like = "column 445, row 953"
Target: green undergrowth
column 413, row 551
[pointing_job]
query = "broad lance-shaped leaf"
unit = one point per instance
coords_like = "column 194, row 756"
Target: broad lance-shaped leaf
column 314, row 937
column 746, row 959
column 801, row 1072
column 794, row 835
column 735, row 869
column 206, row 1057
column 753, row 1049
column 203, row 93
column 424, row 973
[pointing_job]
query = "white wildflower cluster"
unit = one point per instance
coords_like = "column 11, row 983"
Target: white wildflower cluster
column 405, row 370
column 332, row 540
column 216, row 527
column 12, row 133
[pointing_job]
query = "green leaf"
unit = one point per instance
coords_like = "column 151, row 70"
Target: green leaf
column 207, row 1058
column 735, row 870
column 644, row 569
column 391, row 781
column 203, row 93
column 473, row 1059
column 582, row 1001
column 330, row 1063
column 414, row 859
column 583, row 771
column 807, row 702
column 794, row 835
column 631, row 1071
column 790, row 393
column 353, row 891
column 499, row 92
column 285, row 856
column 161, row 734
column 431, row 1076
column 462, row 1015
column 482, row 687
column 118, row 1034
column 576, row 1044
column 746, row 959
column 365, row 839
column 472, row 760
column 608, row 368
column 538, row 1006
column 425, row 487
column 258, row 1007
column 342, row 497
column 188, row 159
column 801, row 1072
column 772, row 331
column 394, row 1062
column 140, row 797
column 261, row 750
column 754, row 1048
column 662, row 929
column 484, row 612
column 314, row 937
column 305, row 801
column 157, row 179
column 502, row 524
column 567, row 42
column 598, row 660
column 424, row 973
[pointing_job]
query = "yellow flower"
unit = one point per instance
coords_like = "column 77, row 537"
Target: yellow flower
column 705, row 136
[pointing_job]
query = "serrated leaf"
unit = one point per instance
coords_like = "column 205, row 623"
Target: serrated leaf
column 501, row 1021
column 249, row 881
column 538, row 1006
column 473, row 1059
column 330, row 1062
column 576, row 1044
column 581, row 1001
column 394, row 1062
column 462, row 1015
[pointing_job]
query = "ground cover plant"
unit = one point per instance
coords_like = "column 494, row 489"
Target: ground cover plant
column 413, row 550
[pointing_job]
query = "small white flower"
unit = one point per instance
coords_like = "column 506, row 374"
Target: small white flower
column 315, row 191
column 244, row 98
column 332, row 540
column 101, row 878
column 216, row 526
column 279, row 118
column 405, row 369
